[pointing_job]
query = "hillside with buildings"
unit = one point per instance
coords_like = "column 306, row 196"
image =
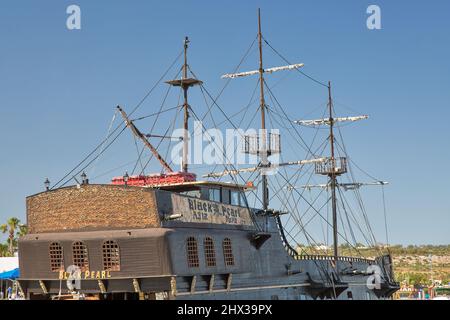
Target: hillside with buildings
column 413, row 264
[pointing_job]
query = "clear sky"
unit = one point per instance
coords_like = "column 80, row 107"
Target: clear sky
column 59, row 87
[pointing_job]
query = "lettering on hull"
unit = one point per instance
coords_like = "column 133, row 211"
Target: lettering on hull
column 203, row 211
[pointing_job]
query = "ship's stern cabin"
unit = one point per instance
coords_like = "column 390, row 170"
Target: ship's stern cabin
column 127, row 241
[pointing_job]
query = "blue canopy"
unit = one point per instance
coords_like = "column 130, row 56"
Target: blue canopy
column 12, row 274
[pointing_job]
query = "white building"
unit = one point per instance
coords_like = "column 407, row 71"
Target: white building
column 8, row 263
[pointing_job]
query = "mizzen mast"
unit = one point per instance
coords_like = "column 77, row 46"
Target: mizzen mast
column 333, row 166
column 262, row 105
column 185, row 83
column 332, row 176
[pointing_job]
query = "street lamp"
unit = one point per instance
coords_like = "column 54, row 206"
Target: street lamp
column 47, row 184
column 125, row 177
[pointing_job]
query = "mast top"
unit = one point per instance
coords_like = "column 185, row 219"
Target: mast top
column 185, row 82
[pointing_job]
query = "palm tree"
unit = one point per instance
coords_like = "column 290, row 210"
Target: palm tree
column 14, row 228
column 4, row 250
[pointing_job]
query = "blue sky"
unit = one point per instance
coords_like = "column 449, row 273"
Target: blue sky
column 58, row 88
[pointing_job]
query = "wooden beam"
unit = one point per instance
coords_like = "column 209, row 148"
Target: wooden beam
column 43, row 287
column 141, row 136
column 229, row 279
column 173, row 286
column 193, row 283
column 211, row 283
column 101, row 286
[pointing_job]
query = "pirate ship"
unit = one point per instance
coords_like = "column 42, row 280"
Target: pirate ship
column 173, row 235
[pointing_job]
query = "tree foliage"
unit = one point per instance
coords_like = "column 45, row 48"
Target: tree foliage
column 14, row 229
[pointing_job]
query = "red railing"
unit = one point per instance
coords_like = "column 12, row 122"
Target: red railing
column 156, row 179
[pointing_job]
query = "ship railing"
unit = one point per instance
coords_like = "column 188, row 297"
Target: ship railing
column 337, row 165
column 331, row 258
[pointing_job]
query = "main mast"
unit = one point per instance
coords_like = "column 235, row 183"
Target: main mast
column 264, row 153
column 261, row 144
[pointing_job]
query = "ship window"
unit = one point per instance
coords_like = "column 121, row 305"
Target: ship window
column 192, row 252
column 111, row 256
column 228, row 252
column 234, row 198
column 80, row 256
column 210, row 254
column 56, row 257
column 214, row 194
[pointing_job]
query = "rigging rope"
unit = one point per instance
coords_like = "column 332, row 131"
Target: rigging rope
column 292, row 125
column 107, row 134
column 154, row 122
column 139, row 160
column 301, row 72
column 358, row 195
column 234, row 71
column 117, row 128
column 385, row 216
column 90, row 162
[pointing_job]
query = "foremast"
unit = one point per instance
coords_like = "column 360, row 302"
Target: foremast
column 185, row 83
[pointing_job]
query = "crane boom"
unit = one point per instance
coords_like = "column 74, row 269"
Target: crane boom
column 141, row 136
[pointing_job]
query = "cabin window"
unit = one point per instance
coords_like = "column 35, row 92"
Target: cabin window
column 210, row 253
column 228, row 252
column 234, row 198
column 111, row 256
column 80, row 255
column 192, row 252
column 214, row 194
column 56, row 257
